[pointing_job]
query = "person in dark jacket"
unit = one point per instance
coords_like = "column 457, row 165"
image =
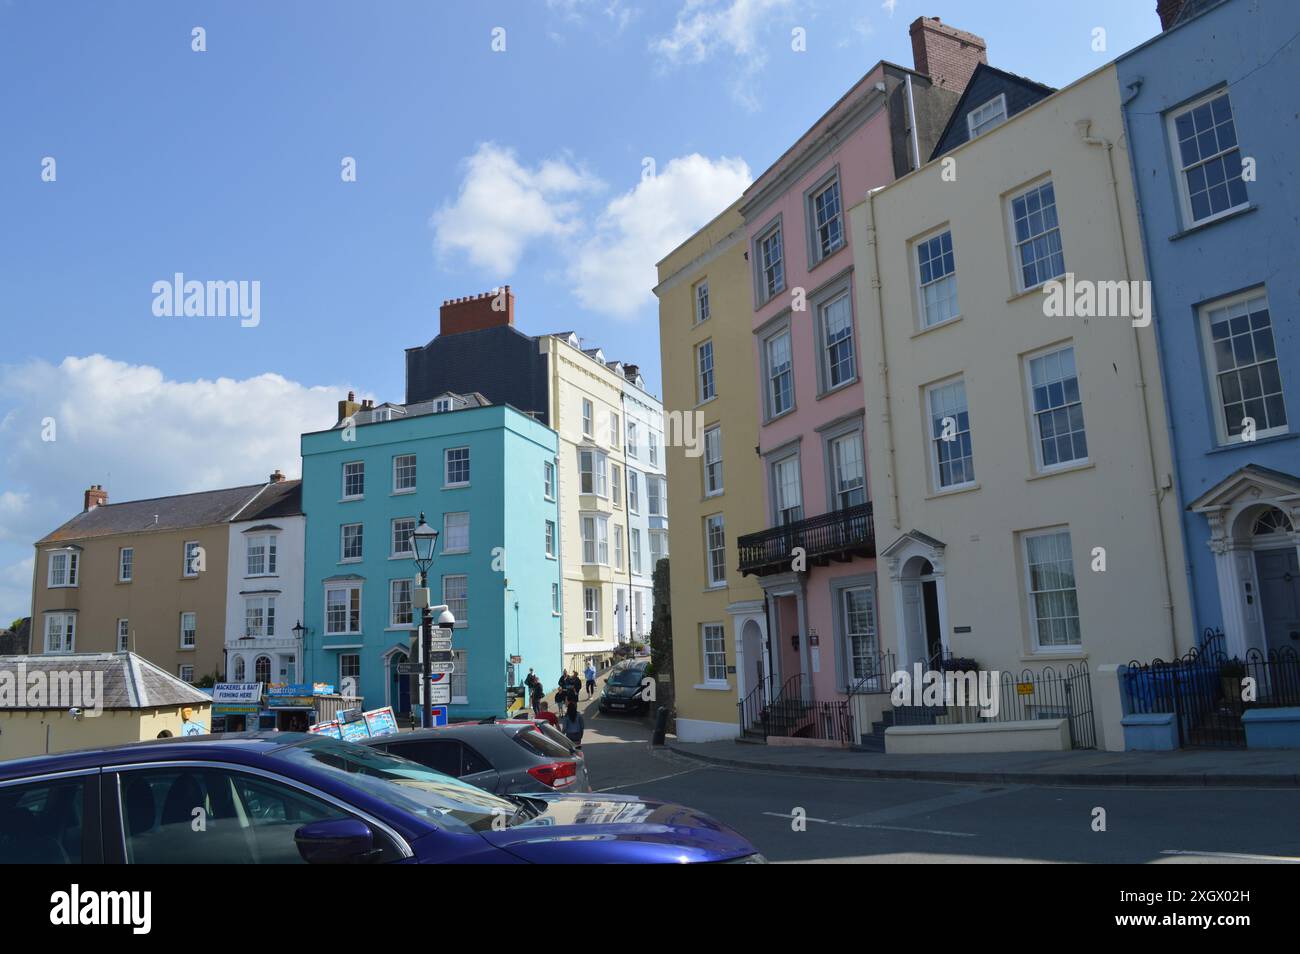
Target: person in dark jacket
column 572, row 725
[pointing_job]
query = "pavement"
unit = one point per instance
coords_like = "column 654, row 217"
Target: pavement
column 1266, row 768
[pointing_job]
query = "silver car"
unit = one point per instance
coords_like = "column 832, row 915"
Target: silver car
column 502, row 758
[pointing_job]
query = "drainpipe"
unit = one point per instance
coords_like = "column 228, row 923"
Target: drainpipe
column 911, row 118
column 1135, row 88
column 887, row 416
column 1083, row 127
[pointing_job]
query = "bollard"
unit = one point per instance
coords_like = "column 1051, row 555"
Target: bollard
column 661, row 726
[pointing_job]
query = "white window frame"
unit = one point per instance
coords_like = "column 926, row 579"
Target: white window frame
column 616, row 486
column 343, row 490
column 1030, row 605
column 935, row 484
column 824, row 345
column 833, row 464
column 713, row 659
column 125, row 564
column 816, row 253
column 618, row 546
column 343, row 542
column 615, row 424
column 656, row 494
column 462, row 618
column 634, row 550
column 555, row 599
column 923, row 311
column 777, row 470
column 765, row 291
column 1035, row 423
column 712, row 489
column 715, row 582
column 265, row 605
column 658, row 547
column 71, row 569
column 1224, row 436
column 588, row 418
column 447, row 528
column 591, row 611
column 1180, row 171
column 398, row 468
column 269, row 543
column 550, row 539
column 447, row 482
column 991, row 121
column 187, row 561
column 652, row 439
column 194, row 630
column 123, row 641
column 598, row 472
column 595, row 539
column 633, row 439
column 393, row 552
column 548, row 479
column 1020, row 193
column 67, row 633
column 769, row 391
column 348, row 672
column 185, row 672
column 393, row 603
column 706, row 381
column 701, row 298
column 633, row 492
column 347, row 588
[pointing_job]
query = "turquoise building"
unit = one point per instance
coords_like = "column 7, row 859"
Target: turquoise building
column 483, row 475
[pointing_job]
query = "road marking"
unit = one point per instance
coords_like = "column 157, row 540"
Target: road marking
column 650, row 781
column 1234, row 855
column 848, row 824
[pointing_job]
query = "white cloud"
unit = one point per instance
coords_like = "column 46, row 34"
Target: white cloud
column 707, row 27
column 139, row 434
column 889, row 6
column 613, row 271
column 503, row 205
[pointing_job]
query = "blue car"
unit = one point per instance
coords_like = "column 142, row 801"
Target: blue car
column 279, row 797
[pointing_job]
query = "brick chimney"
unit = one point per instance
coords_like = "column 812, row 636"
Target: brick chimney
column 96, row 496
column 945, row 54
column 348, row 407
column 486, row 310
column 1168, row 11
column 276, row 476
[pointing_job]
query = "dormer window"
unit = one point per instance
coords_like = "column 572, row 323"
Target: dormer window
column 983, row 118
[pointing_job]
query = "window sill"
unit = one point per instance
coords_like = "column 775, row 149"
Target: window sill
column 1036, row 290
column 1042, row 654
column 830, row 392
column 713, row 686
column 351, row 499
column 1214, row 220
column 714, row 588
column 455, row 552
column 937, row 325
column 1240, row 444
column 951, row 491
column 62, row 586
column 776, row 417
column 1069, row 469
column 551, row 556
column 454, row 486
column 391, row 556
column 707, row 400
column 350, row 561
column 186, row 649
column 402, row 493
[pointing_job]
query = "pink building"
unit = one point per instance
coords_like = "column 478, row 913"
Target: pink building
column 816, row 555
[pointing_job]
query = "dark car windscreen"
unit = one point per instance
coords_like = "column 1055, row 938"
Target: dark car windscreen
column 447, row 802
column 539, row 744
column 627, row 677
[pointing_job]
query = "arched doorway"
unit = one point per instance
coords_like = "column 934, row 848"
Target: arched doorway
column 262, row 670
column 399, row 686
column 920, row 606
column 1277, row 570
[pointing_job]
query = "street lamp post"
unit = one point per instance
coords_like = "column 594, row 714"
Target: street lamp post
column 424, row 538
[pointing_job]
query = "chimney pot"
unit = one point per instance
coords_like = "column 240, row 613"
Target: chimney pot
column 477, row 312
column 94, row 497
column 276, row 476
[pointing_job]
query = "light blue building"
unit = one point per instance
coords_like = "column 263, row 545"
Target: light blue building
column 1212, row 113
column 480, row 475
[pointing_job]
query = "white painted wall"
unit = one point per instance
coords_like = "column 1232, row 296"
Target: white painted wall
column 287, row 582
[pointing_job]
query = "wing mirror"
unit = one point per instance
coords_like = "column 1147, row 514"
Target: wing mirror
column 336, row 841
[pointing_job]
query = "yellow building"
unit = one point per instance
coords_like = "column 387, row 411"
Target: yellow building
column 51, row 704
column 148, row 576
column 1019, row 457
column 711, row 429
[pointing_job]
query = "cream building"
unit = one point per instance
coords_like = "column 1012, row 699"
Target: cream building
column 601, row 482
column 1020, row 465
column 719, row 623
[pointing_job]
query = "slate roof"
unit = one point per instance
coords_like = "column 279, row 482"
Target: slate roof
column 130, row 681
column 282, row 499
column 984, row 85
column 173, row 513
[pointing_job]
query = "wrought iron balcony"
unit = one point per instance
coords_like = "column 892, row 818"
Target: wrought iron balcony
column 839, row 535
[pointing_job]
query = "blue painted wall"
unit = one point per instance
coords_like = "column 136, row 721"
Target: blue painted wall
column 508, row 510
column 1240, row 45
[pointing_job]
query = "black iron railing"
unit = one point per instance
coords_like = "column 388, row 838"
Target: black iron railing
column 1046, row 694
column 876, row 671
column 1207, row 691
column 838, row 535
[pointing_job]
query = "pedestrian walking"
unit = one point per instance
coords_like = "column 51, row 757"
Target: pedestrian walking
column 591, row 680
column 573, row 725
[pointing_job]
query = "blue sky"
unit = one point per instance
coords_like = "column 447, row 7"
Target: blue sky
column 474, row 168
